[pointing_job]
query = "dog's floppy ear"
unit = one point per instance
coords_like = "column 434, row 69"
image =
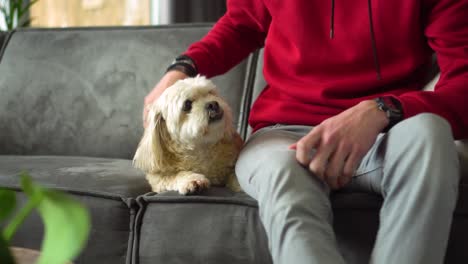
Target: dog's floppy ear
column 152, row 152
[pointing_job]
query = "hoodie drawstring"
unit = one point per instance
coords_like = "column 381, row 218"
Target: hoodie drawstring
column 374, row 45
column 332, row 19
column 372, row 34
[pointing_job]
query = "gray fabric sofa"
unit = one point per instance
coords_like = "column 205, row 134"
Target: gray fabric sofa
column 70, row 114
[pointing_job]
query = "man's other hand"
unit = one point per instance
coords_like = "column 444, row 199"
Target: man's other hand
column 341, row 142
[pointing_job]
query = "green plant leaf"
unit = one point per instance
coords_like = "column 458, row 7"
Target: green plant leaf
column 67, row 226
column 17, row 11
column 35, row 195
column 7, row 203
column 28, row 6
column 5, row 254
column 22, row 12
column 66, row 223
column 27, row 184
column 12, row 13
column 6, row 15
column 19, row 8
column 3, row 10
column 24, row 22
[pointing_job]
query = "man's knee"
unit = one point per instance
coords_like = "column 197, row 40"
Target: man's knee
column 425, row 144
column 428, row 127
column 423, row 134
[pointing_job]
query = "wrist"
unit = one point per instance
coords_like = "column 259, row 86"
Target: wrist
column 392, row 109
column 185, row 64
column 175, row 75
column 379, row 117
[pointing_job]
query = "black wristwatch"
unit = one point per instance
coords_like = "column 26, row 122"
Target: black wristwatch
column 184, row 64
column 392, row 108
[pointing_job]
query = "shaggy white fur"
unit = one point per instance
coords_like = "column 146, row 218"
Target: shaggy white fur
column 190, row 142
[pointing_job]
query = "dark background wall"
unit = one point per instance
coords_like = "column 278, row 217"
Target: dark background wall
column 186, row 11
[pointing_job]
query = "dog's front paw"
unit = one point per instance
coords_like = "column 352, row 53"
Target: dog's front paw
column 192, row 183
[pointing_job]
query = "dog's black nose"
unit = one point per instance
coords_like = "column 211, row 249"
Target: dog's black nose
column 212, row 106
column 215, row 112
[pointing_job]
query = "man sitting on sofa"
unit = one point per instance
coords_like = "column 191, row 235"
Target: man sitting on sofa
column 344, row 109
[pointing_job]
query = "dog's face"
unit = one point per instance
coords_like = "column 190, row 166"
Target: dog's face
column 189, row 114
column 193, row 112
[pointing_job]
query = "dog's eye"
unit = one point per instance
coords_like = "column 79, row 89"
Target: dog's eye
column 187, row 106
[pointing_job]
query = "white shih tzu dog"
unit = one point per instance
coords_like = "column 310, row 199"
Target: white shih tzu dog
column 190, row 142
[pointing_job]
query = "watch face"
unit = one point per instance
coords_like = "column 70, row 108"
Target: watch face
column 392, row 109
column 392, row 104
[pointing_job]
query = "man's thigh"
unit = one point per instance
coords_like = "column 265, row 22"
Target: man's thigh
column 266, row 160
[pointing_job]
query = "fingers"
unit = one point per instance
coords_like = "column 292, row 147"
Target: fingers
column 304, row 147
column 350, row 166
column 167, row 80
column 334, row 169
column 320, row 162
column 327, row 163
column 333, row 164
column 347, row 169
column 145, row 115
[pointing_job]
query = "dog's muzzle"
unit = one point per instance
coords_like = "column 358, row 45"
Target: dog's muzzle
column 215, row 112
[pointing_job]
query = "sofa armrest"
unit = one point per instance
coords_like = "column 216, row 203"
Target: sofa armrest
column 3, row 38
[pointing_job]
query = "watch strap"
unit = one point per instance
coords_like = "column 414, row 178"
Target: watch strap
column 184, row 64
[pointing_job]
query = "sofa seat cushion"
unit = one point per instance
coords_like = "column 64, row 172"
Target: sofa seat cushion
column 115, row 178
column 107, row 187
column 217, row 226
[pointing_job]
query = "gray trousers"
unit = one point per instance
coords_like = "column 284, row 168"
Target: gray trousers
column 414, row 167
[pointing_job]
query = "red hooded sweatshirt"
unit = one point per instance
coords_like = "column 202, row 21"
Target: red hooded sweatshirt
column 322, row 57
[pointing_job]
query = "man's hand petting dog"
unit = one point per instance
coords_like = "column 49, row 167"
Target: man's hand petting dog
column 340, row 143
column 166, row 81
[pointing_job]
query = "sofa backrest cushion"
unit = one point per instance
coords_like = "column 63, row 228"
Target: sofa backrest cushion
column 80, row 91
column 258, row 83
